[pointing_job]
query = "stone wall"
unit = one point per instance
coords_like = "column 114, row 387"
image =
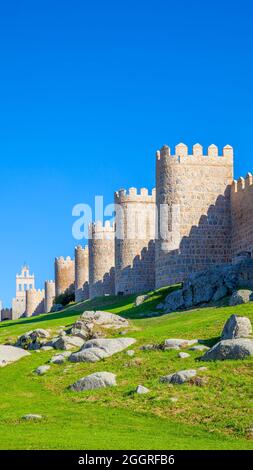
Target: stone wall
column 135, row 241
column 242, row 215
column 101, row 259
column 64, row 275
column 81, row 273
column 34, row 302
column 49, row 295
column 6, row 314
column 194, row 216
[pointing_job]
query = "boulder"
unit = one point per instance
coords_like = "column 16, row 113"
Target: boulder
column 95, row 381
column 140, row 390
column 241, row 296
column 32, row 417
column 236, row 327
column 46, row 348
column 91, row 324
column 97, row 349
column 9, row 354
column 179, row 377
column 42, row 370
column 68, row 342
column 60, row 358
column 32, row 339
column 130, row 352
column 140, row 300
column 183, row 355
column 199, row 347
column 239, row 348
column 175, row 343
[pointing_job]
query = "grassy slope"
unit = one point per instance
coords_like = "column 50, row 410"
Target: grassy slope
column 216, row 416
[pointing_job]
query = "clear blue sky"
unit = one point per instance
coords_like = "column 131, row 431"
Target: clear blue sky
column 90, row 90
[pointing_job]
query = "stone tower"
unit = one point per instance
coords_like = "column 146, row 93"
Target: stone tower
column 64, row 275
column 242, row 216
column 81, row 273
column 34, row 302
column 135, row 241
column 49, row 295
column 101, row 259
column 194, row 216
column 24, row 281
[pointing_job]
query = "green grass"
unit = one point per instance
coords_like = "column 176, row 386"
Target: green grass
column 215, row 416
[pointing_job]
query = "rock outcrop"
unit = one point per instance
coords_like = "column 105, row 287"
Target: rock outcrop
column 9, row 354
column 241, row 296
column 32, row 340
column 179, row 377
column 207, row 286
column 240, row 348
column 94, row 381
column 97, row 349
column 91, row 323
column 237, row 327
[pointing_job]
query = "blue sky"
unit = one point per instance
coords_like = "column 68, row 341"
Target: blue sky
column 90, row 90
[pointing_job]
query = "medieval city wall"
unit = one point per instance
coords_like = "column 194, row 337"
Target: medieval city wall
column 6, row 314
column 242, row 215
column 194, row 215
column 135, row 240
column 34, row 302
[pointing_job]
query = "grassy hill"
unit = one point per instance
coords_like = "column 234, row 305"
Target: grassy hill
column 215, row 416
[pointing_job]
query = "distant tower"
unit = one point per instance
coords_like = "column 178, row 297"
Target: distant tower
column 24, row 281
column 101, row 259
column 64, row 275
column 135, row 241
column 81, row 273
column 49, row 295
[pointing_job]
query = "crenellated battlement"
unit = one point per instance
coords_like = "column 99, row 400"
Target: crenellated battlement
column 134, row 195
column 98, row 227
column 61, row 260
column 181, row 154
column 82, row 249
column 242, row 184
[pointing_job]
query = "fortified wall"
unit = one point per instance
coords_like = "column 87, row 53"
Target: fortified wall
column 197, row 216
column 64, row 275
column 101, row 259
column 34, row 302
column 242, row 216
column 81, row 273
column 6, row 314
column 194, row 211
column 135, row 241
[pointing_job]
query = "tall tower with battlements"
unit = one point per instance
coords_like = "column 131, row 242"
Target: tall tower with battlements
column 101, row 259
column 193, row 195
column 49, row 295
column 135, row 241
column 81, row 273
column 64, row 275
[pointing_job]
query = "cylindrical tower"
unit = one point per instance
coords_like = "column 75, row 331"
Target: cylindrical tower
column 81, row 273
column 64, row 275
column 49, row 295
column 193, row 207
column 101, row 259
column 135, row 241
column 34, row 302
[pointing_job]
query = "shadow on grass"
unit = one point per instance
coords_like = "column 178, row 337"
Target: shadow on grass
column 123, row 305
